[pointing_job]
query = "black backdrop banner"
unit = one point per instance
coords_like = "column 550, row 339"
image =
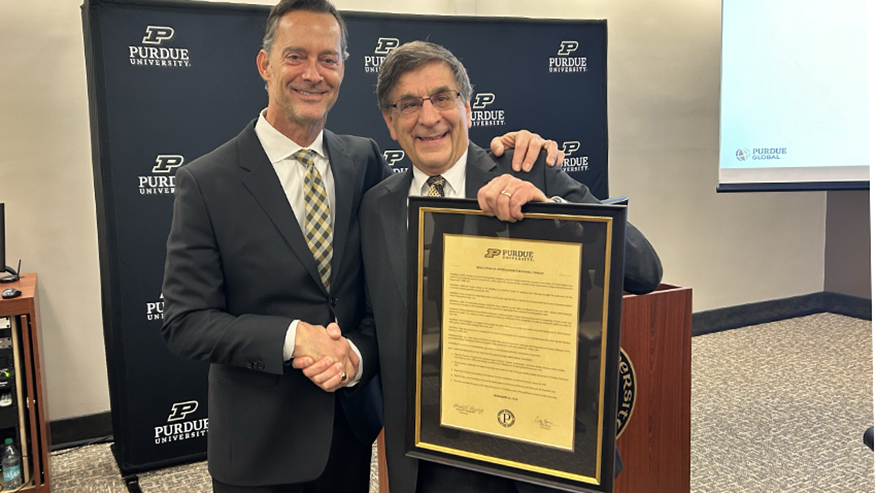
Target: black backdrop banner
column 170, row 81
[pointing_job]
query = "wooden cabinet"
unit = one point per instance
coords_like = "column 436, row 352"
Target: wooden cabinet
column 30, row 382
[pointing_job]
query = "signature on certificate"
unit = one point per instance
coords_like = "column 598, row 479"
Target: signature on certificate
column 467, row 409
column 543, row 423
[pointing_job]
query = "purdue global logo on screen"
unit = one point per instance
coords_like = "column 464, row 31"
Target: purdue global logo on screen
column 161, row 181
column 482, row 115
column 383, row 48
column 152, row 52
column 760, row 153
column 573, row 163
column 565, row 61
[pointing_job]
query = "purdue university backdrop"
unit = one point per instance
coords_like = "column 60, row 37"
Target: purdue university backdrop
column 170, row 81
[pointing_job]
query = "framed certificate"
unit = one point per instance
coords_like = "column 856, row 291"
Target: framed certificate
column 513, row 340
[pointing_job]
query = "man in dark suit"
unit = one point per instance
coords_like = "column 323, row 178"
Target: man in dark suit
column 263, row 265
column 251, row 281
column 424, row 93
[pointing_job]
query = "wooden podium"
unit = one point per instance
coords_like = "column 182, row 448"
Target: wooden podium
column 655, row 444
column 33, row 380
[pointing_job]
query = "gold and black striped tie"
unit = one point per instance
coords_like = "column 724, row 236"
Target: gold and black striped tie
column 317, row 216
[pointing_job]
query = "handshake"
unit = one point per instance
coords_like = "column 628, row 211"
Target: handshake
column 324, row 355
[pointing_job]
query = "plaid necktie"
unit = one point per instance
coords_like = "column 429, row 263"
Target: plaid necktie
column 436, row 186
column 317, row 216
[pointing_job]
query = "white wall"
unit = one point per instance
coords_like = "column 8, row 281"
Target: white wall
column 46, row 183
column 663, row 129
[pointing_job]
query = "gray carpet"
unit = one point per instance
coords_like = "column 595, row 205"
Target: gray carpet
column 778, row 407
column 781, row 407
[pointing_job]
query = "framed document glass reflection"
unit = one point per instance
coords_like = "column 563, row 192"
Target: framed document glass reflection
column 513, row 340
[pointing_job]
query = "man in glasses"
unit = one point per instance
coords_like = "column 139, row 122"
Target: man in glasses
column 424, row 92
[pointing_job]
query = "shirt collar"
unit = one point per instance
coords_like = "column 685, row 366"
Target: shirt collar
column 279, row 147
column 455, row 177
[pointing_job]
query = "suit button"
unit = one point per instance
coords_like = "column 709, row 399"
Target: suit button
column 260, row 365
column 333, row 302
column 249, row 364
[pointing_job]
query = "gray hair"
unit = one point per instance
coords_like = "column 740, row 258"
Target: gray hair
column 286, row 6
column 411, row 56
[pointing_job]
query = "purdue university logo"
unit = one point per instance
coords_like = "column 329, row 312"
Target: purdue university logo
column 385, row 45
column 161, row 182
column 155, row 310
column 482, row 100
column 567, row 47
column 570, row 146
column 564, row 62
column 572, row 163
column 156, row 34
column 167, row 162
column 180, row 410
column 383, row 48
column 178, row 427
column 393, row 156
column 518, row 255
column 151, row 53
column 483, row 117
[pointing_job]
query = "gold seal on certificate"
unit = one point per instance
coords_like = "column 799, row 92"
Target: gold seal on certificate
column 513, row 340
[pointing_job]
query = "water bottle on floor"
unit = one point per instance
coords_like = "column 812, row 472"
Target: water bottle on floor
column 11, row 464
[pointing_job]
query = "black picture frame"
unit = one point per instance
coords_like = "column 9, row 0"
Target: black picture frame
column 588, row 466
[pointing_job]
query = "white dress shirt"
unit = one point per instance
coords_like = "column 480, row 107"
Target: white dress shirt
column 454, row 187
column 280, row 149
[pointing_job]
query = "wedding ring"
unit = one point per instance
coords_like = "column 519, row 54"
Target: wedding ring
column 505, row 193
column 343, row 376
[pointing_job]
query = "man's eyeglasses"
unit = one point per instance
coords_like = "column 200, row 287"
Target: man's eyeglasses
column 443, row 100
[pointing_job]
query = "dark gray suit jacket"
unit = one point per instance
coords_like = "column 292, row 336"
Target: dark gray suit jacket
column 383, row 216
column 238, row 271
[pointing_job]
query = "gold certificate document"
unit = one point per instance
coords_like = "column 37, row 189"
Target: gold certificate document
column 509, row 338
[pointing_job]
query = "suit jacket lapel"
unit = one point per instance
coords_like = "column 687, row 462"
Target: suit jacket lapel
column 344, row 171
column 393, row 207
column 263, row 183
column 479, row 170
